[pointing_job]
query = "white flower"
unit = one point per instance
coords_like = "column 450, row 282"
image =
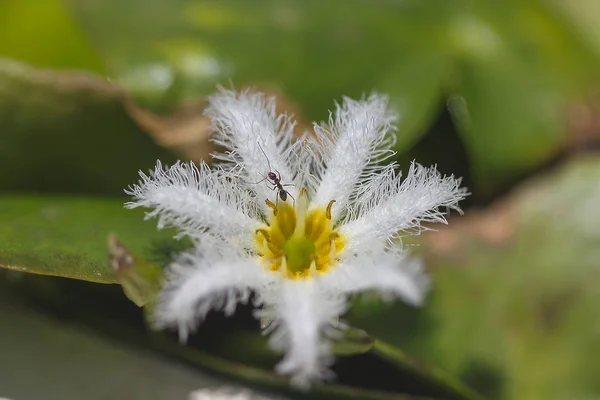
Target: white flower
column 224, row 393
column 302, row 256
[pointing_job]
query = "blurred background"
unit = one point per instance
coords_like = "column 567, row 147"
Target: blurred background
column 505, row 94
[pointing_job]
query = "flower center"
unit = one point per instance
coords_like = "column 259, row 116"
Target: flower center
column 298, row 243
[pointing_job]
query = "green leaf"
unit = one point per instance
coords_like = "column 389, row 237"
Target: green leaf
column 268, row 379
column 97, row 307
column 250, row 347
column 141, row 280
column 509, row 119
column 34, row 343
column 353, row 341
column 167, row 52
column 94, row 306
column 415, row 85
column 66, row 132
column 517, row 69
column 511, row 70
column 581, row 16
column 66, row 236
column 43, row 33
column 418, row 371
column 515, row 295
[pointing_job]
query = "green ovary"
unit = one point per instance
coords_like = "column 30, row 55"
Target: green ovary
column 299, row 253
column 298, row 243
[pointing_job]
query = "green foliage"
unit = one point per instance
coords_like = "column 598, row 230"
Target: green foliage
column 353, row 341
column 67, row 236
column 68, row 133
column 141, row 281
column 239, row 354
column 510, row 69
column 513, row 320
column 44, row 33
column 514, row 316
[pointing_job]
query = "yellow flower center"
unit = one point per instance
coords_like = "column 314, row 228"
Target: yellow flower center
column 299, row 243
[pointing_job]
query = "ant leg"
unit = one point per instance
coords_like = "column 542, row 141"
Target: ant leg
column 289, row 184
column 289, row 194
column 256, row 183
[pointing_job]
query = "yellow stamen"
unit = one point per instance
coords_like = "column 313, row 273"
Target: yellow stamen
column 264, row 233
column 299, row 243
column 272, row 206
column 328, row 210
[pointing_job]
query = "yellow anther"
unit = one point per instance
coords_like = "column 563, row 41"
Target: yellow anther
column 283, row 266
column 303, row 191
column 313, row 268
column 271, row 205
column 328, row 210
column 265, row 234
column 333, row 250
column 299, row 242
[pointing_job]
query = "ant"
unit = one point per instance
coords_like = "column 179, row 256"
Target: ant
column 275, row 180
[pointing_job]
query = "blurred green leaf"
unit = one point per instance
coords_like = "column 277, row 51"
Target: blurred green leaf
column 166, row 52
column 511, row 68
column 251, row 347
column 64, row 132
column 268, row 379
column 72, row 359
column 66, row 236
column 141, row 280
column 43, row 33
column 96, row 305
column 509, row 121
column 414, row 95
column 423, row 373
column 352, row 341
column 517, row 69
column 581, row 16
column 514, row 289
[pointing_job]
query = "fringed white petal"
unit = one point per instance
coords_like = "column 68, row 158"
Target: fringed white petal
column 220, row 209
column 397, row 206
column 257, row 140
column 359, row 136
column 214, row 276
column 368, row 192
column 195, row 199
column 387, row 272
column 302, row 313
column 225, row 393
column 306, row 159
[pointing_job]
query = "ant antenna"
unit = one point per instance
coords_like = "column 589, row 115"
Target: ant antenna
column 268, row 163
column 265, row 154
column 275, row 180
